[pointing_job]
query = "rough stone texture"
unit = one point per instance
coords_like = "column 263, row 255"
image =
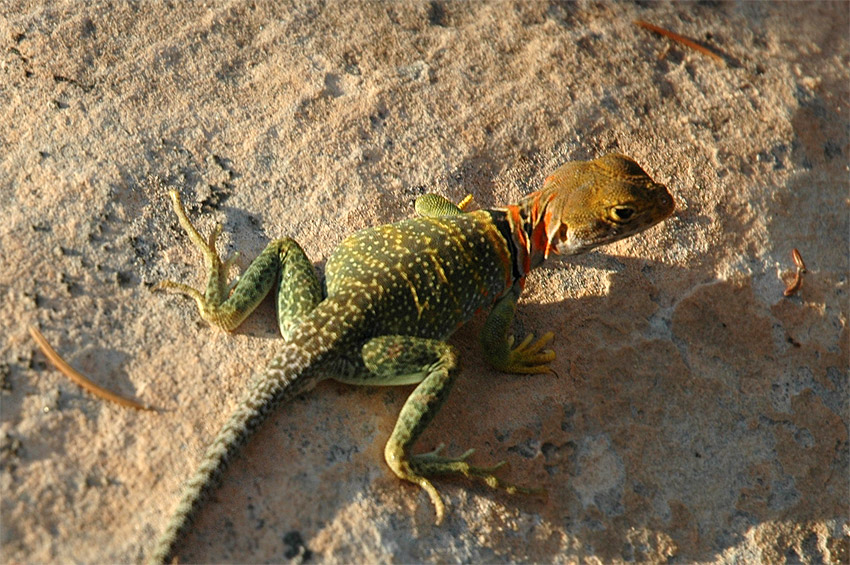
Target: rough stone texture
column 697, row 413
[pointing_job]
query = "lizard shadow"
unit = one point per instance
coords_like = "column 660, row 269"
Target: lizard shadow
column 508, row 416
column 672, row 428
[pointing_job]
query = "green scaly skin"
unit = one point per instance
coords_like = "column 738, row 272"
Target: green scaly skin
column 395, row 293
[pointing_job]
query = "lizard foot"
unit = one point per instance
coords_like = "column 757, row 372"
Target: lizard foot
column 528, row 357
column 217, row 289
column 465, row 202
column 432, row 463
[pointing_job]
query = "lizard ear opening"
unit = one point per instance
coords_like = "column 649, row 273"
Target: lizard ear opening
column 556, row 239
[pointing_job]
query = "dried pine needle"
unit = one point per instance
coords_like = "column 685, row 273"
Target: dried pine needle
column 797, row 283
column 79, row 378
column 681, row 39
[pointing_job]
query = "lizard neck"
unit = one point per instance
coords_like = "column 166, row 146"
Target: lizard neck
column 524, row 230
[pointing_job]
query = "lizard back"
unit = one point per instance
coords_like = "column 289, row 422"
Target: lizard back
column 424, row 276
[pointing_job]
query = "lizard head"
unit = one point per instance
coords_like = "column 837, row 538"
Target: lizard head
column 585, row 204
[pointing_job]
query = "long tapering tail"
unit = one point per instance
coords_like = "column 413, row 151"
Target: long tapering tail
column 289, row 374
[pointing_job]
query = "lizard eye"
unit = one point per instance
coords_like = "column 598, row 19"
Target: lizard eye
column 622, row 213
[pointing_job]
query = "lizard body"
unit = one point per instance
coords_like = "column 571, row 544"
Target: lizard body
column 395, row 293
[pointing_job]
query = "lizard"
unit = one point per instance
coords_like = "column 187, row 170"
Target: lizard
column 394, row 294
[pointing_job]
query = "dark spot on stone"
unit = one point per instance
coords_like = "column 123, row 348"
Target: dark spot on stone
column 295, row 547
column 437, row 14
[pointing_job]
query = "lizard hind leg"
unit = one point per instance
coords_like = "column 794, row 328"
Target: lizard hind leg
column 299, row 289
column 227, row 305
column 434, row 364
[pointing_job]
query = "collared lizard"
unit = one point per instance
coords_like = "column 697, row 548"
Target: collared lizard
column 395, row 293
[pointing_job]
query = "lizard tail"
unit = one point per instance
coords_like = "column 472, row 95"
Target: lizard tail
column 289, row 374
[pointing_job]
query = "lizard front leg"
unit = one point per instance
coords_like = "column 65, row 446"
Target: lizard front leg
column 227, row 306
column 528, row 357
column 404, row 360
column 434, row 206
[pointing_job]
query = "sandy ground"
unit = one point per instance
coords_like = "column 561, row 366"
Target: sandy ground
column 697, row 413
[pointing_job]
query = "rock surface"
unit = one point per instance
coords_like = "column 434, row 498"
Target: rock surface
column 697, row 413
